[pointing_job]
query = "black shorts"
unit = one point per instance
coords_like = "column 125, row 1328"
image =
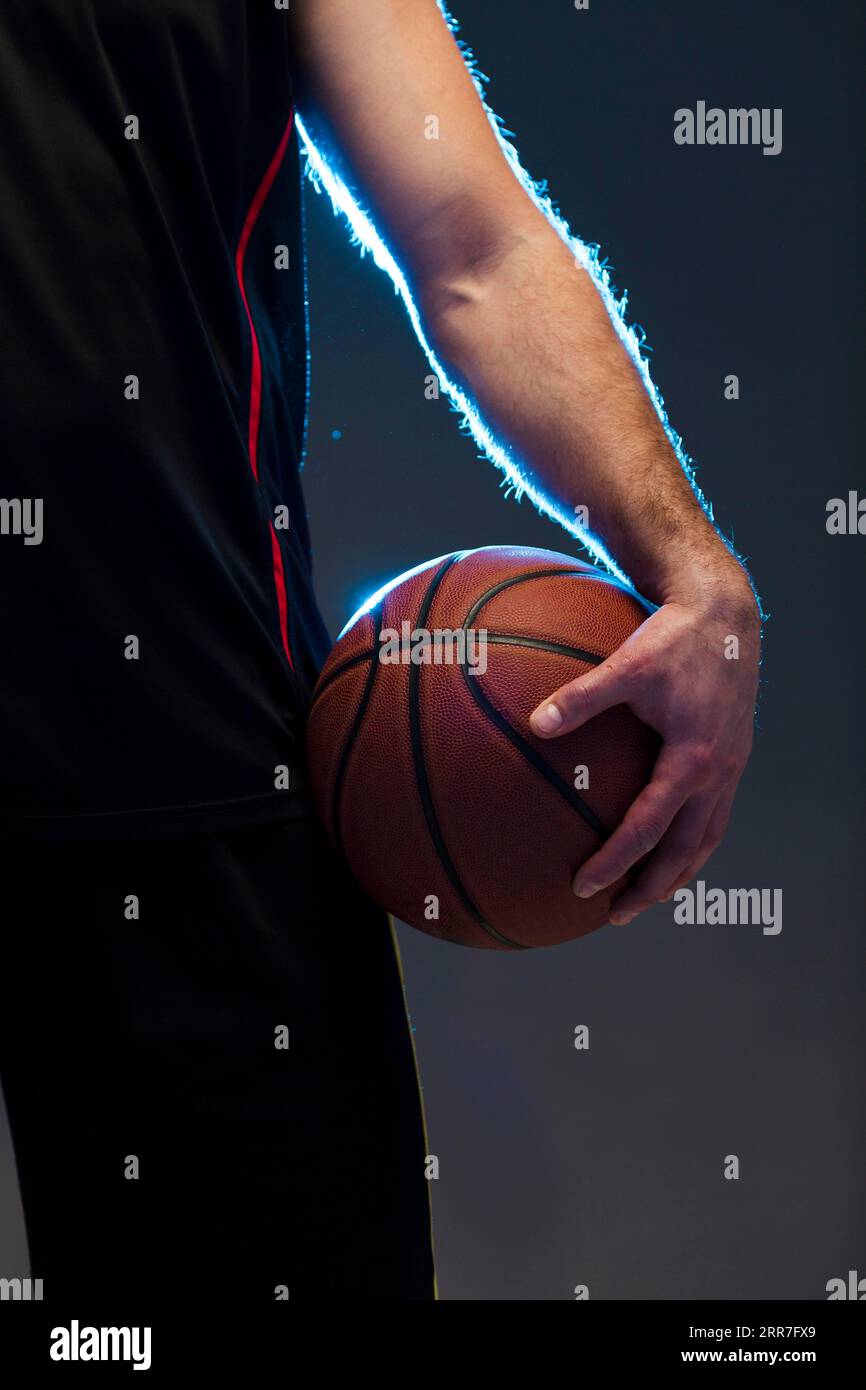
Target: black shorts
column 165, row 1135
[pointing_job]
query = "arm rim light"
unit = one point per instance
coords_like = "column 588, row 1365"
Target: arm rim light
column 515, row 479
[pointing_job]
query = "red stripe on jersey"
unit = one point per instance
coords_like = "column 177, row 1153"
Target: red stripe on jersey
column 255, row 414
column 280, row 584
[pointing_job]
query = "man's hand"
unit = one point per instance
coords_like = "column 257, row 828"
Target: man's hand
column 678, row 674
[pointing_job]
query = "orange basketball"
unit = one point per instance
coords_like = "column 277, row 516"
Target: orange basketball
column 449, row 811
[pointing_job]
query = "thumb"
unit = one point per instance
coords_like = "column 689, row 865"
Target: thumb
column 581, row 700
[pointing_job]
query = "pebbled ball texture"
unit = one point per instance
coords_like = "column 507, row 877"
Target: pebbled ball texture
column 449, row 811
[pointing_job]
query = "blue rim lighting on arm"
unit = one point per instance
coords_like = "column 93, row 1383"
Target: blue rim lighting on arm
column 515, row 478
column 366, row 237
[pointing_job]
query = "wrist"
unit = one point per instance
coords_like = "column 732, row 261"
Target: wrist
column 717, row 587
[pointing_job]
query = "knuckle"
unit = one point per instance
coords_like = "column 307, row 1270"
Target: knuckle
column 631, row 670
column 647, row 835
column 702, row 761
column 574, row 699
column 582, row 694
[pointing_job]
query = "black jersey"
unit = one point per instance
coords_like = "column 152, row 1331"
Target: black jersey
column 158, row 632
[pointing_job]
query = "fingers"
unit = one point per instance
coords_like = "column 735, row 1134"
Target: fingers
column 582, row 699
column 677, row 856
column 645, row 822
column 715, row 833
column 667, row 674
column 644, row 891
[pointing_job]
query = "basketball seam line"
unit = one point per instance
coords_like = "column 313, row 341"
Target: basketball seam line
column 538, row 644
column 499, row 721
column 343, row 666
column 439, row 845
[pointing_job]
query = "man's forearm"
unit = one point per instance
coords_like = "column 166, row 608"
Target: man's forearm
column 530, row 341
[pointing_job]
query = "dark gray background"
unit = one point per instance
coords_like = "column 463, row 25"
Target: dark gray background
column 605, row 1167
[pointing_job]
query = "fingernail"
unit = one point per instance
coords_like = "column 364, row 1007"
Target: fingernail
column 622, row 919
column 547, row 720
column 585, row 890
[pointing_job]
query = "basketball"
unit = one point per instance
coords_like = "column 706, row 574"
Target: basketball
column 450, row 812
